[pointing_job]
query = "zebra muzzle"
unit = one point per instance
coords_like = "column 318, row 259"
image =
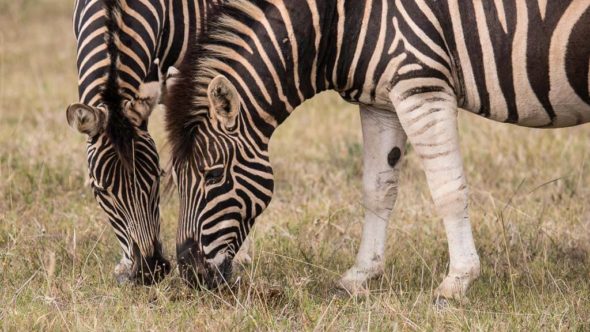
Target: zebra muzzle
column 149, row 270
column 197, row 272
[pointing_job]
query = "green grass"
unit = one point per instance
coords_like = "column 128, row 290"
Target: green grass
column 529, row 194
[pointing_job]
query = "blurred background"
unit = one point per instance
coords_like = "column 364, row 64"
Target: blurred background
column 528, row 200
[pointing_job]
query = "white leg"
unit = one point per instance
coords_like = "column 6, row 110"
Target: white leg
column 123, row 270
column 384, row 141
column 429, row 117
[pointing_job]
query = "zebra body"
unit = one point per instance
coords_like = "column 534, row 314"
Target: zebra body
column 125, row 50
column 409, row 64
column 505, row 60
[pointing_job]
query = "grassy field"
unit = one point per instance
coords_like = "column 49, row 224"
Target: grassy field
column 529, row 207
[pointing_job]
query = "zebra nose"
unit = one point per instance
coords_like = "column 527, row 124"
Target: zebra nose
column 223, row 271
column 149, row 270
column 215, row 276
column 197, row 272
column 191, row 263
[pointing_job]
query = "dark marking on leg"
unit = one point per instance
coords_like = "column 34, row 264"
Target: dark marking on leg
column 393, row 157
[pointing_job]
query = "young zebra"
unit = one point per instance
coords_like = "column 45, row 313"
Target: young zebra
column 124, row 46
column 409, row 64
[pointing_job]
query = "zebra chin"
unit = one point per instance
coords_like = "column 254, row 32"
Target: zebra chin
column 146, row 270
column 199, row 273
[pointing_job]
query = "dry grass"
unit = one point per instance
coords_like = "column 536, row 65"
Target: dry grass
column 528, row 207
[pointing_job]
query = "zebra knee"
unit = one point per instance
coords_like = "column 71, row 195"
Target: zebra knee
column 380, row 192
column 452, row 204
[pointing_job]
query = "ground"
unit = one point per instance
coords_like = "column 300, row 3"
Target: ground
column 528, row 203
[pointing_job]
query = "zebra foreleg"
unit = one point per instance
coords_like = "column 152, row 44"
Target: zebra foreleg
column 123, row 270
column 384, row 141
column 427, row 109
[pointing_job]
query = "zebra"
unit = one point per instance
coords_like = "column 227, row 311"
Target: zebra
column 127, row 51
column 409, row 64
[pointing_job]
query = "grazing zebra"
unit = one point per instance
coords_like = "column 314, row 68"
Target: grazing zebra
column 409, row 64
column 125, row 47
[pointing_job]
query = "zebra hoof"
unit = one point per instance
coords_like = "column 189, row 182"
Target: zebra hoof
column 354, row 288
column 123, row 279
column 122, row 272
column 355, row 280
column 455, row 285
column 441, row 304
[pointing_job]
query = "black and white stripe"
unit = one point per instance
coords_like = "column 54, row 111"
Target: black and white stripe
column 149, row 31
column 125, row 49
column 413, row 62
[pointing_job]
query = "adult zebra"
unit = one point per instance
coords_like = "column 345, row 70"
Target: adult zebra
column 409, row 64
column 124, row 47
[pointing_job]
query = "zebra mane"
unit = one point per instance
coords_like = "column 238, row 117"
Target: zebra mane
column 187, row 103
column 119, row 129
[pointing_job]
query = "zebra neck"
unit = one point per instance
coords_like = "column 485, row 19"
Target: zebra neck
column 280, row 63
column 135, row 29
column 138, row 29
column 92, row 57
column 181, row 19
column 276, row 53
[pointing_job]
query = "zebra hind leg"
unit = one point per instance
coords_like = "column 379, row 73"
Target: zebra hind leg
column 427, row 109
column 384, row 141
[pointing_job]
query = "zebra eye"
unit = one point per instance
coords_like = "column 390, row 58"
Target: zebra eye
column 213, row 176
column 98, row 189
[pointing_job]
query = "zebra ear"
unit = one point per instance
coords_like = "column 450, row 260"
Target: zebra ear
column 139, row 110
column 224, row 102
column 88, row 120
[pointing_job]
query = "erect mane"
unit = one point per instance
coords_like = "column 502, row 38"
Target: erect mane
column 119, row 129
column 187, row 102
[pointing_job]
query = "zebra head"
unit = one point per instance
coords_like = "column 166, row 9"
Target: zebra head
column 224, row 185
column 124, row 174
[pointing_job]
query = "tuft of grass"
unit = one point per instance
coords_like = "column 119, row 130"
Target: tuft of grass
column 528, row 208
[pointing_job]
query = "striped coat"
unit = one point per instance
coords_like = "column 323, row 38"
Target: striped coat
column 126, row 50
column 409, row 64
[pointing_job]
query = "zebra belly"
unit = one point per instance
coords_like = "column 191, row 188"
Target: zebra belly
column 568, row 110
column 567, row 114
column 525, row 62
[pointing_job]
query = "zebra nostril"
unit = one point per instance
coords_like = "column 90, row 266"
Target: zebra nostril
column 197, row 272
column 190, row 263
column 218, row 275
column 149, row 270
column 225, row 270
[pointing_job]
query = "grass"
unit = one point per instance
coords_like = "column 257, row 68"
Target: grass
column 529, row 194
